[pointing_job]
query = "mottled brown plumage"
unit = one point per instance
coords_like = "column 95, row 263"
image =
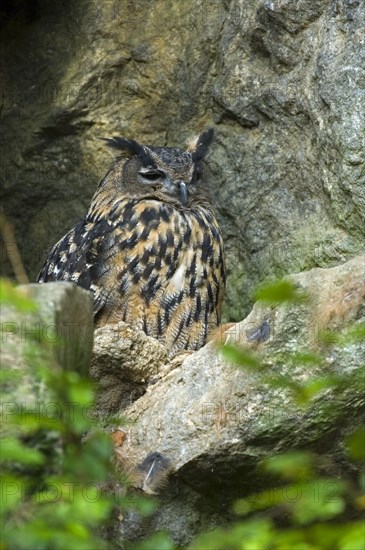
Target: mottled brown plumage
column 149, row 247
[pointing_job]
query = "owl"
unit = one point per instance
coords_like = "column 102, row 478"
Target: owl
column 149, row 248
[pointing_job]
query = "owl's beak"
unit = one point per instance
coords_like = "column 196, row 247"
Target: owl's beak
column 183, row 192
column 178, row 188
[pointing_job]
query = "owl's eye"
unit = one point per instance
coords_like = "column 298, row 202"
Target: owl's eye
column 153, row 175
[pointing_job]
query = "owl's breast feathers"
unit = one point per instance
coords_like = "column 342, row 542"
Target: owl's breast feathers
column 150, row 264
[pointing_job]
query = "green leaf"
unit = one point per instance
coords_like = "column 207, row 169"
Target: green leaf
column 13, row 450
column 11, row 492
column 293, row 540
column 305, row 358
column 250, row 535
column 158, row 541
column 295, row 465
column 311, row 389
column 240, row 357
column 259, row 501
column 10, row 295
column 354, row 538
column 280, row 291
column 146, row 505
column 242, row 507
column 356, row 443
column 317, row 500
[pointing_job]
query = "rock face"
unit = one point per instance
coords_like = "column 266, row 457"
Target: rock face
column 281, row 82
column 215, row 422
column 58, row 333
column 123, row 362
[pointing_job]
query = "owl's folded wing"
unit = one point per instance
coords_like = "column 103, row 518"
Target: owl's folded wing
column 76, row 258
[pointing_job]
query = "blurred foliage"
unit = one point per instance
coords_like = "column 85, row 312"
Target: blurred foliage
column 56, row 463
column 158, row 541
column 52, row 475
column 280, row 291
column 12, row 296
column 303, row 510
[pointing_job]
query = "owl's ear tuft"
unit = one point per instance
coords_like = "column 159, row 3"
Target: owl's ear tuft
column 201, row 145
column 130, row 145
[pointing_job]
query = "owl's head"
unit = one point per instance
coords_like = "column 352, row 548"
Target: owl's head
column 167, row 173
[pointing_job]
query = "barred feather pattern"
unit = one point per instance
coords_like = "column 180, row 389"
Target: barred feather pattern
column 149, row 264
column 149, row 248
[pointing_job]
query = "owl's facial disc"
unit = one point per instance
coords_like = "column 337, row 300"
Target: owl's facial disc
column 153, row 176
